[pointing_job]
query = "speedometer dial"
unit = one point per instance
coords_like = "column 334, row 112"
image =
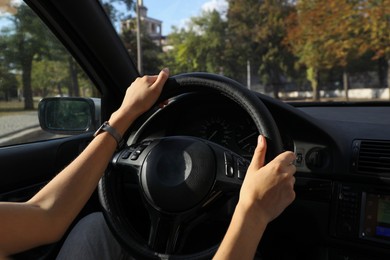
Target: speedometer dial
column 246, row 136
column 216, row 129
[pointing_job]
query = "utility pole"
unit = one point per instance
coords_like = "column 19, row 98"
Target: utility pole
column 139, row 47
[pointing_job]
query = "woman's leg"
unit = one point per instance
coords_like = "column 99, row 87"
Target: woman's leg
column 91, row 239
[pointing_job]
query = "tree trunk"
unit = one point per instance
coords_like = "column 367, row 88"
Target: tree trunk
column 388, row 75
column 26, row 80
column 73, row 76
column 313, row 76
column 382, row 72
column 274, row 77
column 346, row 84
column 58, row 85
column 248, row 74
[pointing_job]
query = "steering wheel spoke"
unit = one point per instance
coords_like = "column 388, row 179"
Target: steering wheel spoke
column 164, row 233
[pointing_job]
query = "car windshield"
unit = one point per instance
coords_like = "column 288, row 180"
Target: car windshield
column 335, row 50
column 302, row 51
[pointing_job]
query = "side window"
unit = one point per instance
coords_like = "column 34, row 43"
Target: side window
column 33, row 65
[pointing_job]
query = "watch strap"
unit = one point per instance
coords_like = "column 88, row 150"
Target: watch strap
column 112, row 131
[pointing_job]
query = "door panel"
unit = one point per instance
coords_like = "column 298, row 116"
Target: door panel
column 25, row 168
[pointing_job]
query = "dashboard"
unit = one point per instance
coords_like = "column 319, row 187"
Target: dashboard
column 214, row 119
column 340, row 205
column 220, row 120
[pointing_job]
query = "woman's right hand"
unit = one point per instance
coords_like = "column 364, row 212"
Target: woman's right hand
column 268, row 189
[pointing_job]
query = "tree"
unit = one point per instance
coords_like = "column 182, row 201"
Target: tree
column 376, row 23
column 242, row 20
column 8, row 83
column 113, row 10
column 200, row 47
column 150, row 50
column 337, row 33
column 304, row 40
column 277, row 62
column 28, row 44
column 25, row 42
column 257, row 31
column 47, row 77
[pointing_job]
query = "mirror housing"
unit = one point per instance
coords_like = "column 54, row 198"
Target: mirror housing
column 69, row 115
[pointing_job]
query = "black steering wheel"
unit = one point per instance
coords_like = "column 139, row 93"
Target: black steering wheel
column 180, row 178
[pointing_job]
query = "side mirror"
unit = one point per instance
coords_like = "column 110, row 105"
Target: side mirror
column 69, row 115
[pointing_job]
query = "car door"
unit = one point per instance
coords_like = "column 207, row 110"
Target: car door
column 48, row 49
column 28, row 158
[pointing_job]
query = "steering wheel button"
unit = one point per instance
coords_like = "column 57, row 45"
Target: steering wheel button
column 126, row 154
column 135, row 155
column 241, row 173
column 242, row 167
column 229, row 170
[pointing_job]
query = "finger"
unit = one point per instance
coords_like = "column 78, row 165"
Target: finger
column 150, row 79
column 292, row 169
column 161, row 78
column 259, row 154
column 286, row 158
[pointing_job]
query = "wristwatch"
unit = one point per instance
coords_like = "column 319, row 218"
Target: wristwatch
column 105, row 127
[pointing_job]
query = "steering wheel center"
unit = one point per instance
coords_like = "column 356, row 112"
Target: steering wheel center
column 178, row 173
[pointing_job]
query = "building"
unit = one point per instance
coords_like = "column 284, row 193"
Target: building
column 152, row 26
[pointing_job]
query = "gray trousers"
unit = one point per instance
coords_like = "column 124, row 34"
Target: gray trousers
column 91, row 239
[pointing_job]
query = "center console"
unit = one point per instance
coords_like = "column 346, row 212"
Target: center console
column 363, row 214
column 375, row 217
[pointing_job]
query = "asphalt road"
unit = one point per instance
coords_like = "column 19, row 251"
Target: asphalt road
column 20, row 128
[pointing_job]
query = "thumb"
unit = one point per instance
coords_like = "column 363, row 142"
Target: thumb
column 258, row 158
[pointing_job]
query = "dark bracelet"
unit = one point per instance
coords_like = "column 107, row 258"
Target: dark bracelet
column 105, row 127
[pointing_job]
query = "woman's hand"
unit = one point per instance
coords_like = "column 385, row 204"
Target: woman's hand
column 266, row 191
column 140, row 96
column 143, row 93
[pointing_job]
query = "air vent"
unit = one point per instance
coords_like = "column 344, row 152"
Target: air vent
column 371, row 157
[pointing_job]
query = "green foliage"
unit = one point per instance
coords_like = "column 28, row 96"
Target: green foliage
column 253, row 31
column 34, row 62
column 283, row 40
column 114, row 13
column 151, row 51
column 200, row 47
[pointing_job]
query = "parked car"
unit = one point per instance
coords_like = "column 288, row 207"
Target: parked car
column 341, row 210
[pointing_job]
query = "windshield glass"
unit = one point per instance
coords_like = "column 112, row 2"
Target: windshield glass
column 334, row 50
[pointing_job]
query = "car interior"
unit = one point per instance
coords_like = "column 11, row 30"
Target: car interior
column 342, row 205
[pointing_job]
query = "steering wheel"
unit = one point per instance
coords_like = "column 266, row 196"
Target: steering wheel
column 179, row 177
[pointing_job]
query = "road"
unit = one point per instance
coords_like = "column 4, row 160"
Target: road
column 20, row 128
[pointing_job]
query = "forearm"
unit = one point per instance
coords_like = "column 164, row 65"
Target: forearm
column 46, row 216
column 243, row 235
column 68, row 192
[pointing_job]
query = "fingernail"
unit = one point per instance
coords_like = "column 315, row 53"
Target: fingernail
column 260, row 139
column 166, row 70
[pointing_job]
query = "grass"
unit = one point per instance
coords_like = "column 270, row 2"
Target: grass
column 13, row 107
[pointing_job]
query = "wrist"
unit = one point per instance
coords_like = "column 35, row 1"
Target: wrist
column 253, row 214
column 121, row 122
